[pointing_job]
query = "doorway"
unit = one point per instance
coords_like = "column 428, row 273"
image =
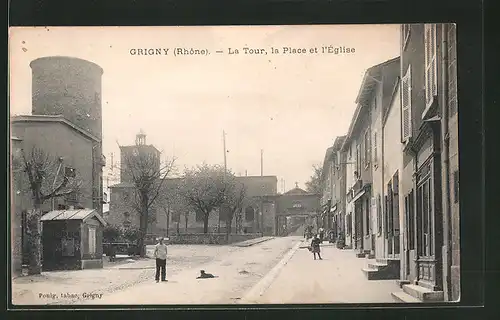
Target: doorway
column 393, row 228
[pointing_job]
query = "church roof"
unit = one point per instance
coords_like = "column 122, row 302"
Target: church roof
column 296, row 191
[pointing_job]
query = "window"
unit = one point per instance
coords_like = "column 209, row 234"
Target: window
column 175, row 217
column 430, row 63
column 390, row 210
column 367, row 217
column 379, row 214
column 367, row 148
column 424, row 211
column 405, row 34
column 249, row 214
column 358, row 161
column 69, row 172
column 410, row 213
column 406, row 128
column 455, row 186
column 375, row 148
column 92, row 240
column 199, row 216
column 72, row 197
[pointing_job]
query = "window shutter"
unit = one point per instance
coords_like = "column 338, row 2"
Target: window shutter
column 406, row 105
column 375, row 158
column 430, row 63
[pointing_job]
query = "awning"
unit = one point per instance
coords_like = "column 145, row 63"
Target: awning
column 359, row 195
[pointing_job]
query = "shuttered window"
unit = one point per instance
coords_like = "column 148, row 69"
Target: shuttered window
column 375, row 151
column 367, row 145
column 406, row 129
column 430, row 63
column 379, row 214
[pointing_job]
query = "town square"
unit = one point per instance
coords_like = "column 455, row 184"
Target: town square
column 273, row 165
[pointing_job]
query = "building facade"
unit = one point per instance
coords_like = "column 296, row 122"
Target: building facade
column 71, row 87
column 257, row 214
column 59, row 138
column 17, row 206
column 430, row 139
column 333, row 187
column 401, row 167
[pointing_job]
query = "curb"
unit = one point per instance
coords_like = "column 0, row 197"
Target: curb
column 258, row 290
column 252, row 243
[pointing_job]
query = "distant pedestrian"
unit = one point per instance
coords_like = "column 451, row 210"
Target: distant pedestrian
column 161, row 260
column 315, row 248
column 321, row 234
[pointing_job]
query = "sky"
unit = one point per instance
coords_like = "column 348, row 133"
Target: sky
column 291, row 106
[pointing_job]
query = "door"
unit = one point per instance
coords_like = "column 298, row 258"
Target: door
column 428, row 269
column 395, row 217
column 409, row 237
column 358, row 221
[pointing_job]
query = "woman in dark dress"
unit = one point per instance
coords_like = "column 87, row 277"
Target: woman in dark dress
column 315, row 247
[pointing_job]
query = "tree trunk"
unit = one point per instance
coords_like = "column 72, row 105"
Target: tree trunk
column 186, row 218
column 205, row 223
column 229, row 221
column 34, row 238
column 168, row 219
column 178, row 226
column 143, row 227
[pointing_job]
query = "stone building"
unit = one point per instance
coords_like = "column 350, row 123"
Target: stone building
column 17, row 206
column 65, row 124
column 257, row 214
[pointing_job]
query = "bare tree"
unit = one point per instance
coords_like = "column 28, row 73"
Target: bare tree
column 314, row 183
column 172, row 202
column 203, row 189
column 234, row 198
column 147, row 174
column 46, row 180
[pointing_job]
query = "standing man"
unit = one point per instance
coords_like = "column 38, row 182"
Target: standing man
column 161, row 260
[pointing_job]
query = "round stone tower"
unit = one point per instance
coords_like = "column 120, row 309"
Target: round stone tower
column 70, row 87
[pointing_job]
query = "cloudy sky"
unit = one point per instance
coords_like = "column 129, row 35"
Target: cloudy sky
column 290, row 105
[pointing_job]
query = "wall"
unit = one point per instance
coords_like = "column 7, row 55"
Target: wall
column 53, row 231
column 16, row 208
column 350, row 180
column 126, row 155
column 414, row 54
column 85, row 239
column 59, row 140
column 213, row 238
column 118, row 206
column 393, row 162
column 454, row 164
column 71, row 87
column 377, row 116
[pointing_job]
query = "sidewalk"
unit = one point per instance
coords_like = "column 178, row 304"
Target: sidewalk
column 335, row 279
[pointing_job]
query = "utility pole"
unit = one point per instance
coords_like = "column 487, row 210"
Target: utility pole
column 222, row 209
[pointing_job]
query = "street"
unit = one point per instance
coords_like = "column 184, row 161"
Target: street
column 279, row 270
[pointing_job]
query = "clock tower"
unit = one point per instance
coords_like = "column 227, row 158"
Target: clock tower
column 140, row 154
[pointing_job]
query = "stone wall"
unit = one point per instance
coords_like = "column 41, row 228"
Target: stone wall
column 210, row 238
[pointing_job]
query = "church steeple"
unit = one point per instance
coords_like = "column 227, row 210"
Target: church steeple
column 140, row 138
